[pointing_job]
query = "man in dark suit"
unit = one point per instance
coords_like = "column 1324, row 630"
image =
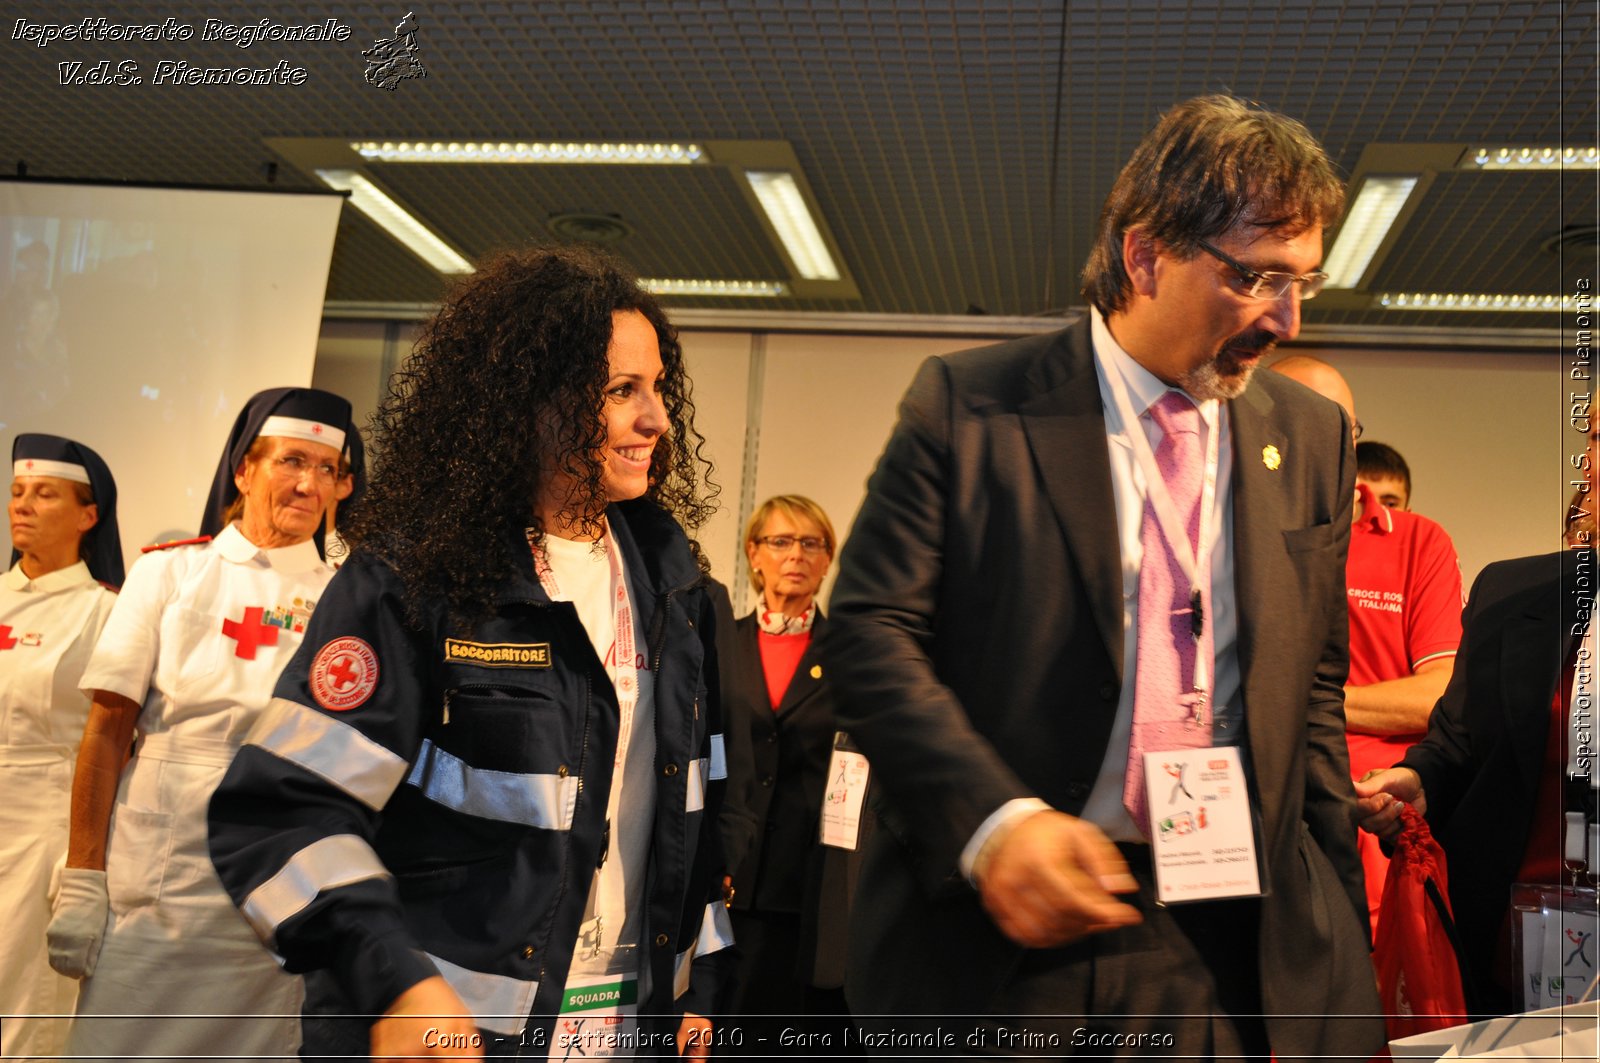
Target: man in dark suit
column 986, row 631
column 1492, row 773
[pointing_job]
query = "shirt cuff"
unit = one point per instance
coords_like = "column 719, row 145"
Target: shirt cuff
column 994, row 828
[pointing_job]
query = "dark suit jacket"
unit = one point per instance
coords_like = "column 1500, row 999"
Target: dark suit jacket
column 777, row 772
column 1483, row 755
column 976, row 652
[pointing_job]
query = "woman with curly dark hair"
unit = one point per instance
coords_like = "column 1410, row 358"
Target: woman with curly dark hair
column 476, row 812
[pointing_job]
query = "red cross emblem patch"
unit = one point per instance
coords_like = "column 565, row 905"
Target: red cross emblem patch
column 6, row 641
column 250, row 632
column 344, row 674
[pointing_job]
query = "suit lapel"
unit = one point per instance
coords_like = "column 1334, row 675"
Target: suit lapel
column 752, row 686
column 1528, row 657
column 807, row 674
column 1258, row 500
column 1066, row 432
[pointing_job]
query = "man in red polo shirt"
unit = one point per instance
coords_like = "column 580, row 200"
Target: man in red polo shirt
column 1403, row 583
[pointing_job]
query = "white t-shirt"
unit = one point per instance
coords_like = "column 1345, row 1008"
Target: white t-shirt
column 583, row 576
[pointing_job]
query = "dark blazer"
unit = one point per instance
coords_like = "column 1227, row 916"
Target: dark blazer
column 976, row 652
column 1483, row 755
column 777, row 772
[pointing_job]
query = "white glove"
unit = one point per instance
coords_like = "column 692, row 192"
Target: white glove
column 81, row 909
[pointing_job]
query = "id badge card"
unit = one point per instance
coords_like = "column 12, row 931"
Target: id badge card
column 1202, row 837
column 846, row 792
column 599, row 1018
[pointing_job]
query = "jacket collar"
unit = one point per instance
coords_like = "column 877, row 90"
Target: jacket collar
column 654, row 548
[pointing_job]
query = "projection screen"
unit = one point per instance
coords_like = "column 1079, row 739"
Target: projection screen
column 139, row 319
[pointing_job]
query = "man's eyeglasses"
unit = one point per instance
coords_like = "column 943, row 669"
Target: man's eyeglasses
column 782, row 544
column 1271, row 283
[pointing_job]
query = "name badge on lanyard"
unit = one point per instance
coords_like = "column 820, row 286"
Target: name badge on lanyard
column 1202, row 835
column 599, row 1018
column 848, row 773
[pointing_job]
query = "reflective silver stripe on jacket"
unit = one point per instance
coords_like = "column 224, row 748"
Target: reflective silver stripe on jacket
column 498, row 1002
column 719, row 758
column 337, row 860
column 544, row 801
column 716, row 934
column 329, row 748
column 695, row 785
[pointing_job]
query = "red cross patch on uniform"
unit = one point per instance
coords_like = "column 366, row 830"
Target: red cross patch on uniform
column 250, row 633
column 344, row 674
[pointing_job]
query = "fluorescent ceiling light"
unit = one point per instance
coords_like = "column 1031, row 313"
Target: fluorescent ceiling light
column 779, row 195
column 524, row 152
column 1376, row 207
column 735, row 289
column 1535, row 158
column 371, row 201
column 1458, row 301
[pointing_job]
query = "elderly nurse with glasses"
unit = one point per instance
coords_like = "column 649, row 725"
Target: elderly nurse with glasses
column 66, row 559
column 790, row 891
column 185, row 664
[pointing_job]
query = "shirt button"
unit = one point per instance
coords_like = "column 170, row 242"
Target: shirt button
column 661, row 940
column 561, row 771
column 670, row 770
column 527, row 952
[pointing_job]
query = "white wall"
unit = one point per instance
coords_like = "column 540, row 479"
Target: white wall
column 1483, row 431
column 719, row 366
column 151, row 316
column 1484, row 436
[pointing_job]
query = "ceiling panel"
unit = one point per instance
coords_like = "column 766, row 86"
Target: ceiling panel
column 958, row 150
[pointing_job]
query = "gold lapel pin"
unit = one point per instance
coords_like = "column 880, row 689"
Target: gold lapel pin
column 816, row 671
column 1271, row 458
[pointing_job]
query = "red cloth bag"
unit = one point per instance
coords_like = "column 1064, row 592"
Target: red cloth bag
column 1419, row 977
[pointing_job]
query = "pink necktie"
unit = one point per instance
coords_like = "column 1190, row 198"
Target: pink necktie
column 1167, row 714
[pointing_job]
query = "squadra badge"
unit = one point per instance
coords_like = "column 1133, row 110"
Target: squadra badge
column 344, row 674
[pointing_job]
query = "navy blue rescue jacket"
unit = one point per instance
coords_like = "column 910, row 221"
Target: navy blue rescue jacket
column 419, row 800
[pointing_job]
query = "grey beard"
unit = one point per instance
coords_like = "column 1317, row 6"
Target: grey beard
column 1206, row 381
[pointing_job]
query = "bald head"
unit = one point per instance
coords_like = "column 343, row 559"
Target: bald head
column 1320, row 377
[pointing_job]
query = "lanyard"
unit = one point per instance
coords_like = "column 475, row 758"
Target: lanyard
column 623, row 662
column 1192, row 560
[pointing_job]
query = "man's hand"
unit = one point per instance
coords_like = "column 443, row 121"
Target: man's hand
column 427, row 1021
column 1050, row 880
column 1381, row 792
column 694, row 1036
